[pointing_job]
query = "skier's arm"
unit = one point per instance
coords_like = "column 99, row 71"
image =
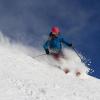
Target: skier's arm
column 46, row 46
column 66, row 43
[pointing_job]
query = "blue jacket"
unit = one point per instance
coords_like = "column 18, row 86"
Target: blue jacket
column 55, row 43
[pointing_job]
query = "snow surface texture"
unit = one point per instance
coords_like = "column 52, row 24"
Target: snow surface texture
column 25, row 78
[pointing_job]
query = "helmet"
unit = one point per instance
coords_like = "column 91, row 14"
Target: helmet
column 55, row 30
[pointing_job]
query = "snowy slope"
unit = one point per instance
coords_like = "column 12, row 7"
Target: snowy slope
column 25, row 78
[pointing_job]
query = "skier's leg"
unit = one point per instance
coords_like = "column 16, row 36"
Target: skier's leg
column 63, row 63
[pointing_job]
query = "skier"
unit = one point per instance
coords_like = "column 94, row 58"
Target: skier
column 53, row 46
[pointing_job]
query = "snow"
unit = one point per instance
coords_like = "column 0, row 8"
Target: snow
column 25, row 78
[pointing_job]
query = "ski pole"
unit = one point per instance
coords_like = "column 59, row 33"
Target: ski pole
column 39, row 55
column 77, row 54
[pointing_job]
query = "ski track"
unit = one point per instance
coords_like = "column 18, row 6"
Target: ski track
column 24, row 78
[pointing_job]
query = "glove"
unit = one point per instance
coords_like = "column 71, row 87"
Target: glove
column 70, row 45
column 47, row 51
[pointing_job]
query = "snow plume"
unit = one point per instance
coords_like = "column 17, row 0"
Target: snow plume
column 3, row 40
column 15, row 46
column 71, row 61
column 74, row 62
column 25, row 78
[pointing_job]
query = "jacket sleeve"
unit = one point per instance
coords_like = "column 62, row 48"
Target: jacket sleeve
column 46, row 45
column 63, row 41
